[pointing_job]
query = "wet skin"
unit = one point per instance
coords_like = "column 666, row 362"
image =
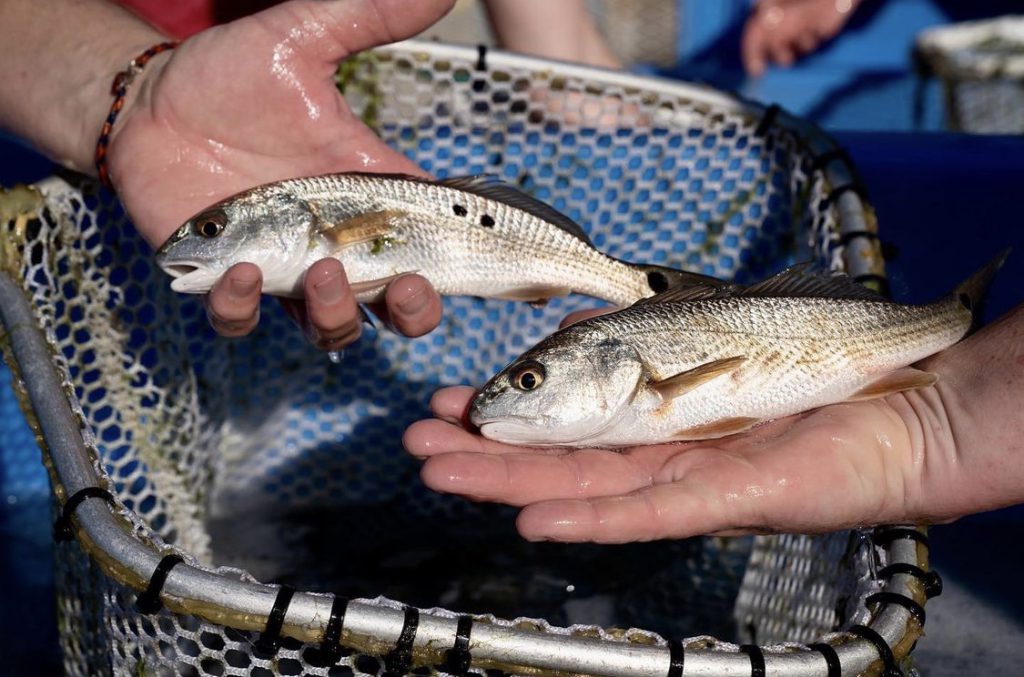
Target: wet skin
column 192, row 134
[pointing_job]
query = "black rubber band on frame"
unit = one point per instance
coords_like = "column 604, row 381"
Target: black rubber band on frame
column 821, row 161
column 884, row 650
column 835, row 668
column 676, row 658
column 330, row 645
column 848, row 237
column 399, row 660
column 62, row 527
column 481, row 57
column 886, row 597
column 931, row 580
column 768, row 119
column 270, row 640
column 756, row 659
column 458, row 658
column 884, row 537
column 148, row 601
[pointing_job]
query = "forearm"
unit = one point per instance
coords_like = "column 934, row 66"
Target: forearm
column 559, row 29
column 981, row 386
column 60, row 57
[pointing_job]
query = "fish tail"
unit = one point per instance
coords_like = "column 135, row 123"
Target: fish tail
column 662, row 278
column 971, row 292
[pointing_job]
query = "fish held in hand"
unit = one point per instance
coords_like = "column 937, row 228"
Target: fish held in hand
column 473, row 236
column 705, row 362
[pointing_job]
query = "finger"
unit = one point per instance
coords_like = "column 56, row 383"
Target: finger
column 663, row 511
column 785, row 479
column 519, row 478
column 413, row 307
column 781, row 53
column 333, row 319
column 752, row 52
column 805, row 43
column 450, row 404
column 432, row 437
column 338, row 28
column 579, row 315
column 233, row 305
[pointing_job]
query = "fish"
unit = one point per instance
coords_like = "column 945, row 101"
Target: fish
column 469, row 236
column 702, row 363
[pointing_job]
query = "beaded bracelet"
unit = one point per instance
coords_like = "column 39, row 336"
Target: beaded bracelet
column 118, row 89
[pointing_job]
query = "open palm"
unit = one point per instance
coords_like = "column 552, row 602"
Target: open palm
column 250, row 102
column 902, row 458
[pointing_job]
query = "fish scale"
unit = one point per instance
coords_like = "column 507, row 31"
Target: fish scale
column 473, row 236
column 705, row 363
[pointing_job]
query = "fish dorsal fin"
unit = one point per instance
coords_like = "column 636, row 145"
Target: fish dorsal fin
column 684, row 382
column 697, row 292
column 802, row 280
column 806, row 280
column 492, row 188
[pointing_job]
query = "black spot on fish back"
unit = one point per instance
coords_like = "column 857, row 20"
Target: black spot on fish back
column 487, row 221
column 657, row 281
column 459, row 210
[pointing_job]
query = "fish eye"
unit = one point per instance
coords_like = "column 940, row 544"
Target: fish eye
column 210, row 224
column 527, row 376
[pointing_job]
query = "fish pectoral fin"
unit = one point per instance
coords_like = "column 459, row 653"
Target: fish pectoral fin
column 539, row 294
column 371, row 291
column 907, row 378
column 360, row 228
column 684, row 382
column 720, row 428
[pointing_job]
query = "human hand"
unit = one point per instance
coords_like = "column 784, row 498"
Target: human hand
column 255, row 101
column 928, row 455
column 781, row 31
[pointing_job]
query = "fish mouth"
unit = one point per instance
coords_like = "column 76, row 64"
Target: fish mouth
column 177, row 270
column 513, row 432
column 190, row 277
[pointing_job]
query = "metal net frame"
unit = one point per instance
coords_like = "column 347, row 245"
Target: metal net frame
column 244, row 507
column 981, row 66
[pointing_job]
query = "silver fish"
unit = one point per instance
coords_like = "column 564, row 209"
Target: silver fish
column 703, row 363
column 473, row 236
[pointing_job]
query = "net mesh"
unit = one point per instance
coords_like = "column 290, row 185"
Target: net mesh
column 260, row 458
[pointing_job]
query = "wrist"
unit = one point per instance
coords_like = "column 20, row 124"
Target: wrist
column 131, row 94
column 981, row 380
column 61, row 58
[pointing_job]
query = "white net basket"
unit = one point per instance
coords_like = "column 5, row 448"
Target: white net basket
column 265, row 467
column 981, row 65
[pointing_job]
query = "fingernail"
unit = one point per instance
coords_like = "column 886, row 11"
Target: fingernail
column 411, row 305
column 329, row 290
column 242, row 288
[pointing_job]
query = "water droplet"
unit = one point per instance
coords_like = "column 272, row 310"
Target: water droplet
column 336, row 356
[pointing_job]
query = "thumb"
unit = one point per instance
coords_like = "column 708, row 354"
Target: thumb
column 334, row 29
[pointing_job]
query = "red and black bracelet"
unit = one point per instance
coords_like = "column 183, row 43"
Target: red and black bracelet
column 118, row 89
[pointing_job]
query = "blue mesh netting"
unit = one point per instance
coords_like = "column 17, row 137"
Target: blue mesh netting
column 261, row 453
